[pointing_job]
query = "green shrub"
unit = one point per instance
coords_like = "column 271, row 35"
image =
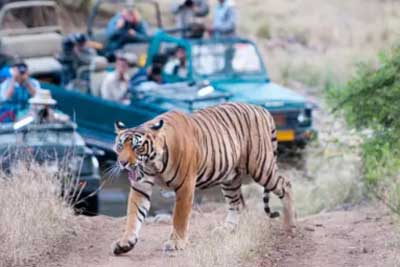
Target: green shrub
column 371, row 101
column 264, row 31
column 371, row 98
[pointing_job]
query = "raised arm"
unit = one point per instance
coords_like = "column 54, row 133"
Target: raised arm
column 32, row 86
column 8, row 88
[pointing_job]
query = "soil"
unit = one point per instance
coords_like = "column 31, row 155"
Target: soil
column 361, row 236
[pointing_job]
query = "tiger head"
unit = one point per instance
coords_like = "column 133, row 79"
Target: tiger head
column 140, row 146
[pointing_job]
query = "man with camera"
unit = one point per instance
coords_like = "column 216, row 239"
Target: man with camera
column 16, row 90
column 41, row 109
column 125, row 27
column 187, row 11
column 77, row 51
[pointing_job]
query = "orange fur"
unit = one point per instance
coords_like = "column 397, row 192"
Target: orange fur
column 182, row 151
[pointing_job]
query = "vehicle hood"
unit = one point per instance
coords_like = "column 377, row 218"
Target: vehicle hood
column 181, row 95
column 268, row 94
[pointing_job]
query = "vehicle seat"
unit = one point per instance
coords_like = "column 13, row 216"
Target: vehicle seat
column 38, row 50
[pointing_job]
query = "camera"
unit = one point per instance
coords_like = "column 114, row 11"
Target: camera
column 189, row 3
column 22, row 68
column 186, row 4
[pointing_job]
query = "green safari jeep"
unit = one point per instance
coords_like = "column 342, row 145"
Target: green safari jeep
column 234, row 66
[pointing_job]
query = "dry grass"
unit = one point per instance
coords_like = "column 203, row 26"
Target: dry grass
column 33, row 216
column 217, row 247
column 330, row 175
column 314, row 41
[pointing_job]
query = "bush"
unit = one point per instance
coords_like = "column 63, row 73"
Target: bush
column 264, row 31
column 371, row 101
column 33, row 215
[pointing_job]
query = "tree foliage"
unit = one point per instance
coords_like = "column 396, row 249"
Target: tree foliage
column 372, row 98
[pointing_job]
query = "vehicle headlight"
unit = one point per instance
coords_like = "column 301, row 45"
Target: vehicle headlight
column 301, row 118
column 304, row 117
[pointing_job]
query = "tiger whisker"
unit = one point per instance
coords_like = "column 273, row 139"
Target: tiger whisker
column 112, row 172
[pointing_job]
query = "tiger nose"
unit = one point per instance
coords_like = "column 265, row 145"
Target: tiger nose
column 124, row 163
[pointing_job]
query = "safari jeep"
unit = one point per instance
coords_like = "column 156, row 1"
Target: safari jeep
column 234, row 66
column 59, row 146
column 36, row 39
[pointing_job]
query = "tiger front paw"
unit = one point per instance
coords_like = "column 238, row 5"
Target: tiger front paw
column 290, row 229
column 123, row 246
column 174, row 244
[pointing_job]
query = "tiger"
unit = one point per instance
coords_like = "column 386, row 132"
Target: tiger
column 218, row 145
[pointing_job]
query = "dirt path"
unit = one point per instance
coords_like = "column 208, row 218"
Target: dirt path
column 366, row 236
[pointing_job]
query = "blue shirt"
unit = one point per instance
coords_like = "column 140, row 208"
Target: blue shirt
column 5, row 73
column 19, row 99
column 112, row 24
column 224, row 22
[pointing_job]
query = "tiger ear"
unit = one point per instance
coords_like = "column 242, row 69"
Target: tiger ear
column 119, row 126
column 158, row 125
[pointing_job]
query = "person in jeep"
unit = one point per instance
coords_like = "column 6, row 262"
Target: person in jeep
column 115, row 84
column 42, row 110
column 15, row 91
column 176, row 66
column 224, row 20
column 77, row 52
column 187, row 13
column 125, row 27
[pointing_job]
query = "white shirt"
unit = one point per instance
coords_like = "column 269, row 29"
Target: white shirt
column 113, row 88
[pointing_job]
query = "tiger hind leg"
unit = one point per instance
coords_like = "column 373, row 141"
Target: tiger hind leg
column 233, row 196
column 282, row 187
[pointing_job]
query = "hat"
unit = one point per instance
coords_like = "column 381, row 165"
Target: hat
column 42, row 97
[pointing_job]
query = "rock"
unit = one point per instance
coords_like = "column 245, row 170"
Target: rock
column 367, row 250
column 309, row 228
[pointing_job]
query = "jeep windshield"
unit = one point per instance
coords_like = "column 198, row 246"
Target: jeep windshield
column 228, row 58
